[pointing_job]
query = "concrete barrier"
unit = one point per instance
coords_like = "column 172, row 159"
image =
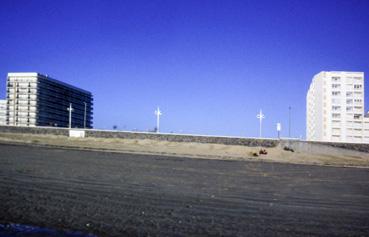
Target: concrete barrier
column 252, row 142
column 325, row 148
column 297, row 145
column 35, row 130
column 184, row 138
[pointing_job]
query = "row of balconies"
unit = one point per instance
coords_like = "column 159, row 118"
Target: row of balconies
column 77, row 109
column 21, row 97
column 58, row 97
column 21, row 85
column 32, row 89
column 22, row 108
column 22, row 79
column 21, row 93
column 63, row 101
column 61, row 109
column 62, row 112
column 23, row 113
column 21, row 120
column 26, row 94
column 22, row 103
column 57, row 88
column 61, row 86
column 60, row 120
column 50, row 115
column 14, row 115
column 19, row 82
column 26, row 116
column 25, row 97
column 64, row 104
column 22, row 90
column 44, row 120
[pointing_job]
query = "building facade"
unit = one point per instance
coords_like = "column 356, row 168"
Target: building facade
column 2, row 112
column 34, row 99
column 335, row 108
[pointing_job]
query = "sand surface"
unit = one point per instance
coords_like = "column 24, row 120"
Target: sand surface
column 193, row 150
column 125, row 194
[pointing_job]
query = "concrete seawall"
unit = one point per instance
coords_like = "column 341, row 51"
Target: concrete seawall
column 142, row 135
column 185, row 138
column 325, row 148
column 35, row 130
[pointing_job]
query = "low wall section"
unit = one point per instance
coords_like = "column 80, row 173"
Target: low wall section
column 326, row 148
column 297, row 145
column 35, row 130
column 141, row 135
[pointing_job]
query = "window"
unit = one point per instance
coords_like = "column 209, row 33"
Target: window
column 349, row 101
column 349, row 108
column 348, row 94
column 336, row 85
column 335, row 78
column 334, row 115
column 336, row 108
column 358, row 86
column 336, row 93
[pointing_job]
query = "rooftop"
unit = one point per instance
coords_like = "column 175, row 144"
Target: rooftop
column 36, row 74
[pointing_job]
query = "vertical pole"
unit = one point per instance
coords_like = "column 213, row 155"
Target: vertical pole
column 157, row 113
column 260, row 126
column 289, row 121
column 84, row 121
column 260, row 116
column 70, row 115
column 157, row 121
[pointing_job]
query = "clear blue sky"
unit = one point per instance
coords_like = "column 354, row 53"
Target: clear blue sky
column 209, row 65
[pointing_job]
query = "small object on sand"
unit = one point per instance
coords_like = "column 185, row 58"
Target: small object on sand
column 286, row 148
column 263, row 152
column 255, row 154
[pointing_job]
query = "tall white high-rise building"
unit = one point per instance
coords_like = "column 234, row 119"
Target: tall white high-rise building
column 335, row 108
column 2, row 112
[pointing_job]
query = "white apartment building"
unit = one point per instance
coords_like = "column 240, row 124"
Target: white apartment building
column 335, row 108
column 2, row 112
column 34, row 99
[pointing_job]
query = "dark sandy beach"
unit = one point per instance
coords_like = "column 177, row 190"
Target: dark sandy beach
column 113, row 194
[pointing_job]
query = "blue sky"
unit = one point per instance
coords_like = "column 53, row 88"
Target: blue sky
column 209, row 65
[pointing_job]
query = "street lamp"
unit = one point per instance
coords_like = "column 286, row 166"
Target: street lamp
column 260, row 116
column 70, row 109
column 289, row 121
column 279, row 128
column 158, row 114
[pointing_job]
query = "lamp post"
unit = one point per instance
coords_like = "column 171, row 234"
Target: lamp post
column 158, row 114
column 260, row 116
column 289, row 121
column 279, row 128
column 70, row 109
column 84, row 120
